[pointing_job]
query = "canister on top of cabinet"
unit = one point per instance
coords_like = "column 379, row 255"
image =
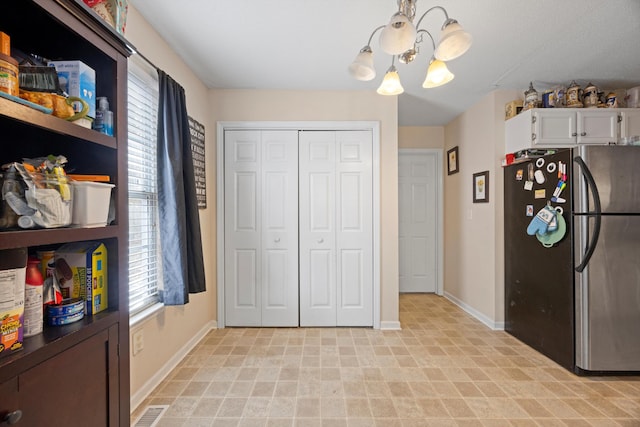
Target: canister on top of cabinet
column 530, row 98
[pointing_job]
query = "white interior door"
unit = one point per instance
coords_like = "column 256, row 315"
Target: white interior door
column 261, row 278
column 354, row 227
column 317, row 228
column 280, row 228
column 336, row 228
column 418, row 208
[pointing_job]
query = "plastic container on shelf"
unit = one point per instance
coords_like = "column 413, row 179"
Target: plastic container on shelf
column 91, row 203
column 51, row 200
column 33, row 314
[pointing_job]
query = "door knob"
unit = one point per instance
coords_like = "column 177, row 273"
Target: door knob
column 320, row 240
column 277, row 239
column 12, row 418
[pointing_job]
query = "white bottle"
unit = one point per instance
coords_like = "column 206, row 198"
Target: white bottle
column 33, row 310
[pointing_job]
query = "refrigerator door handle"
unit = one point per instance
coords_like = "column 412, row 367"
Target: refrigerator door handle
column 596, row 214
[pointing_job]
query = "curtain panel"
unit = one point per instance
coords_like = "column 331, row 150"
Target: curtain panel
column 181, row 242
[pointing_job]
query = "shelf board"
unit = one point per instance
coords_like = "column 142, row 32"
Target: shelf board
column 54, row 340
column 30, row 116
column 48, row 236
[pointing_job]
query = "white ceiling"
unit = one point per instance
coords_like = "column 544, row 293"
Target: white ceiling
column 308, row 45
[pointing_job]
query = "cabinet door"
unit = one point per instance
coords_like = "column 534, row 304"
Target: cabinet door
column 76, row 388
column 597, row 126
column 630, row 123
column 9, row 403
column 554, row 128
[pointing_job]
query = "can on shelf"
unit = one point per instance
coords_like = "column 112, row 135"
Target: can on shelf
column 9, row 75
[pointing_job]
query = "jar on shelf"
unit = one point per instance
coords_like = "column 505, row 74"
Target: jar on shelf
column 590, row 96
column 530, row 98
column 574, row 95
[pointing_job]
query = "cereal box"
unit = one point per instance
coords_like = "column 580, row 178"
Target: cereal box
column 81, row 268
column 13, row 263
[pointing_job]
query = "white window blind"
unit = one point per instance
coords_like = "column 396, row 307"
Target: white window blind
column 145, row 277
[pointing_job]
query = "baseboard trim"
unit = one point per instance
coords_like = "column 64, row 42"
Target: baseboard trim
column 390, row 325
column 139, row 396
column 496, row 326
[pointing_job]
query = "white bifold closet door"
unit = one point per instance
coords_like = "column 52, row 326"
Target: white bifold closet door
column 336, row 228
column 261, row 228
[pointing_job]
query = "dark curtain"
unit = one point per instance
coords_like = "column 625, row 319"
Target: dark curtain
column 183, row 266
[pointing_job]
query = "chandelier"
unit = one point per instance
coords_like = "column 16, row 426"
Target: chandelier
column 402, row 39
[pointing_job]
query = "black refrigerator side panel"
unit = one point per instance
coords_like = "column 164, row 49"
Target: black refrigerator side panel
column 539, row 293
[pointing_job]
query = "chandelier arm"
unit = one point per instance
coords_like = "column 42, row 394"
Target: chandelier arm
column 433, row 43
column 446, row 15
column 373, row 33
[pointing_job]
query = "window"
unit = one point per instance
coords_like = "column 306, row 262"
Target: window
column 144, row 245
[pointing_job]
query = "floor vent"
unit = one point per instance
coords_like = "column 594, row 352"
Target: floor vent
column 151, row 416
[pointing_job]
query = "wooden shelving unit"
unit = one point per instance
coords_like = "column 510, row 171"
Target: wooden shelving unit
column 78, row 374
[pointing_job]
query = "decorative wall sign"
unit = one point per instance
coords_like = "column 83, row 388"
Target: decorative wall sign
column 197, row 152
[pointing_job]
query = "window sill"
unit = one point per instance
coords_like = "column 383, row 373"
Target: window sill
column 145, row 314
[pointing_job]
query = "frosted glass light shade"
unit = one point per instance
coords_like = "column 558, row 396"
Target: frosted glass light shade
column 437, row 75
column 391, row 83
column 362, row 67
column 454, row 41
column 398, row 36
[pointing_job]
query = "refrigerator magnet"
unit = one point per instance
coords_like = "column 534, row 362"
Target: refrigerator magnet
column 528, row 185
column 529, row 210
column 540, row 194
column 519, row 174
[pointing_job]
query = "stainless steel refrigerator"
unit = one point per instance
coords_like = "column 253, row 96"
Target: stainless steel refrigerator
column 572, row 257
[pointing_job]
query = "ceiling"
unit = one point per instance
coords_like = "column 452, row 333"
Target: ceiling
column 308, row 45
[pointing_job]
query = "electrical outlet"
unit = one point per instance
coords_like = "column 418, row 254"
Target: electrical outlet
column 138, row 342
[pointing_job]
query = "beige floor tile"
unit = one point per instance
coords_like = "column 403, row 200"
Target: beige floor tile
column 308, row 407
column 534, row 408
column 207, row 407
column 282, row 407
column 457, row 408
column 333, row 408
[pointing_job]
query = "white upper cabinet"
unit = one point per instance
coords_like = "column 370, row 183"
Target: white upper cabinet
column 568, row 127
column 630, row 123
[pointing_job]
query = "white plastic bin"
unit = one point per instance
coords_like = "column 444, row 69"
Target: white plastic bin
column 91, row 203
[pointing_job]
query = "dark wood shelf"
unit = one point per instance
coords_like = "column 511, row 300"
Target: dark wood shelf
column 48, row 236
column 33, row 117
column 54, row 340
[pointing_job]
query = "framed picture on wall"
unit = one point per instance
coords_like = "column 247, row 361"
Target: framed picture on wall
column 481, row 187
column 452, row 161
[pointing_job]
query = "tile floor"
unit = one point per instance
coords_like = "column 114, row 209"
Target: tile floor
column 444, row 368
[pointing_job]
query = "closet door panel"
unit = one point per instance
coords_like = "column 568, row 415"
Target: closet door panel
column 242, row 229
column 280, row 228
column 317, row 228
column 354, row 237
